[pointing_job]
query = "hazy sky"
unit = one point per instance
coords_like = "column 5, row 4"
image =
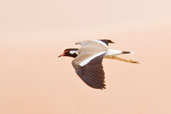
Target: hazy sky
column 34, row 81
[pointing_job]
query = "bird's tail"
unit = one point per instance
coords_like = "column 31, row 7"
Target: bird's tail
column 121, row 59
column 127, row 52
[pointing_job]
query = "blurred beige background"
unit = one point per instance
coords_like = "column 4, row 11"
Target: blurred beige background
column 34, row 32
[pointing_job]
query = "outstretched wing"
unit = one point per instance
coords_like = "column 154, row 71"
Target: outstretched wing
column 89, row 68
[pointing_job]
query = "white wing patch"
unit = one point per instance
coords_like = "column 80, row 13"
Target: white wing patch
column 101, row 42
column 86, row 61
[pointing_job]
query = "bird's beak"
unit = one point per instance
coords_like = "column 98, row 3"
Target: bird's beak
column 61, row 55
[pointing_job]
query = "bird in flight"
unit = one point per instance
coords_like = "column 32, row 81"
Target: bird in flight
column 88, row 59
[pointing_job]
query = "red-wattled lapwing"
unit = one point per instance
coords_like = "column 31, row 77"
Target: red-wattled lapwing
column 88, row 60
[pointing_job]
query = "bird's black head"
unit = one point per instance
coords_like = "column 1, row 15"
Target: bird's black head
column 106, row 41
column 70, row 52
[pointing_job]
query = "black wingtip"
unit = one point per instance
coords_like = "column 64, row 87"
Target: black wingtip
column 103, row 88
column 106, row 41
column 100, row 88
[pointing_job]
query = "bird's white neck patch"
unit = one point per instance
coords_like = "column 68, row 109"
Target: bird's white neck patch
column 86, row 61
column 73, row 52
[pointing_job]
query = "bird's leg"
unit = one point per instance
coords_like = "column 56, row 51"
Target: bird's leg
column 121, row 59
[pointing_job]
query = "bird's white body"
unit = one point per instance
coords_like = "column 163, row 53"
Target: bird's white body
column 88, row 60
